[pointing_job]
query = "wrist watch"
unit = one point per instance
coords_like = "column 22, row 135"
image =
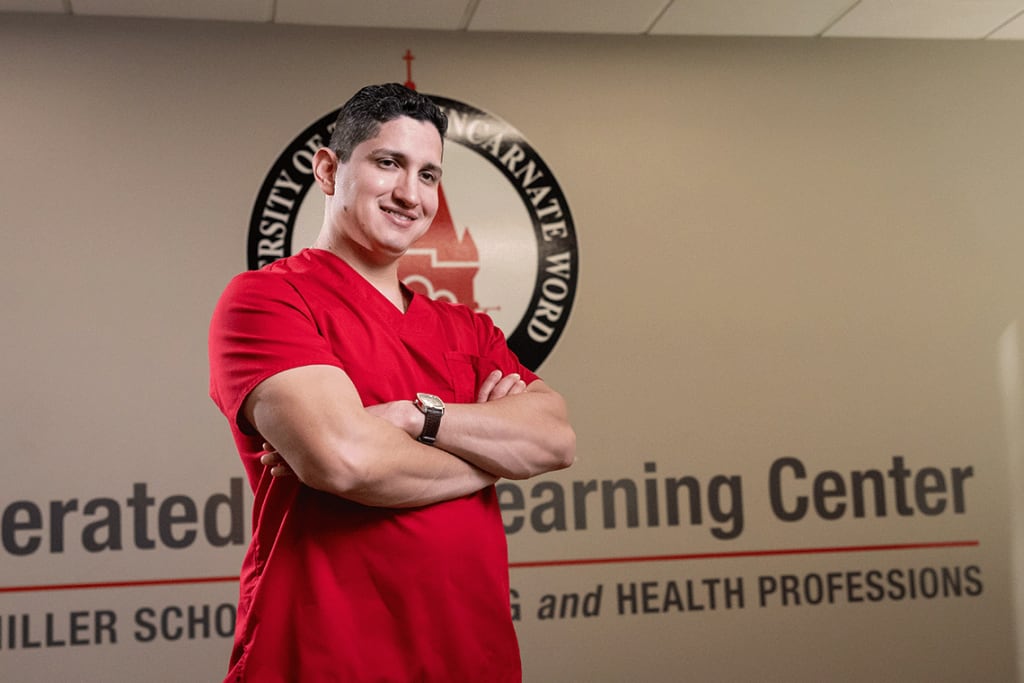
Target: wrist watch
column 432, row 408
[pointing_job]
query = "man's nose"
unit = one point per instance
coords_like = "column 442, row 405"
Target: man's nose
column 406, row 190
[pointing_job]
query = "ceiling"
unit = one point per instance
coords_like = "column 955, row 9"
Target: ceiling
column 920, row 19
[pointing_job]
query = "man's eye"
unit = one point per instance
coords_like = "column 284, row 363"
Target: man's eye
column 386, row 162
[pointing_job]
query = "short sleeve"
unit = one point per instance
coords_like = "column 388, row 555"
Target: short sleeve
column 495, row 353
column 260, row 327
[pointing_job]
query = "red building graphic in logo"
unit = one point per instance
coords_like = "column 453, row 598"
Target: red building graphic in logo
column 442, row 264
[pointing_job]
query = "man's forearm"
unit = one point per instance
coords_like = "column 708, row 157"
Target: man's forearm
column 516, row 437
column 408, row 474
column 412, row 477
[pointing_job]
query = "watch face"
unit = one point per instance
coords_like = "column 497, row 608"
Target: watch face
column 430, row 401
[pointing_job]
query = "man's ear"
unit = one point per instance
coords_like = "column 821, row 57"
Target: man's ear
column 325, row 166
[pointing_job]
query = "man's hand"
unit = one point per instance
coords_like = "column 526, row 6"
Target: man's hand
column 273, row 460
column 497, row 386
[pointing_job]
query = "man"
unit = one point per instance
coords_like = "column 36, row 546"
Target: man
column 383, row 558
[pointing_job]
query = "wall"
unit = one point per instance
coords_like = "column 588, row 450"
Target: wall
column 798, row 249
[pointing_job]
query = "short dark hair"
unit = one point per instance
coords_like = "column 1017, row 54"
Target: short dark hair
column 361, row 117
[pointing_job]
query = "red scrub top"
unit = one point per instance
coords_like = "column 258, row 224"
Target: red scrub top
column 336, row 591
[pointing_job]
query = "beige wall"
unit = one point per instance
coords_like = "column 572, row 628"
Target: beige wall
column 788, row 248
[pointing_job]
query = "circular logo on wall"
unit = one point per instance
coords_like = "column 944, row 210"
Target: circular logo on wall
column 503, row 241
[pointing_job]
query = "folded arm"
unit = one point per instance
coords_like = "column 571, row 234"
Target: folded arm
column 317, row 424
column 516, row 437
column 512, row 431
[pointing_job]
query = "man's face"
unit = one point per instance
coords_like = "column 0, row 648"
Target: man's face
column 385, row 196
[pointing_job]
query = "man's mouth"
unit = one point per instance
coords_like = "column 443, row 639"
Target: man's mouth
column 403, row 216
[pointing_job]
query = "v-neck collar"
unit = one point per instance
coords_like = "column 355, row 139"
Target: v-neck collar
column 411, row 320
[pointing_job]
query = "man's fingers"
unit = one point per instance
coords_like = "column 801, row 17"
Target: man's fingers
column 273, row 460
column 484, row 395
column 505, row 386
column 496, row 386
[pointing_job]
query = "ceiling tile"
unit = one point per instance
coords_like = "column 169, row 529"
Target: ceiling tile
column 1011, row 30
column 43, row 6
column 226, row 10
column 925, row 18
column 566, row 16
column 750, row 17
column 435, row 14
column 953, row 19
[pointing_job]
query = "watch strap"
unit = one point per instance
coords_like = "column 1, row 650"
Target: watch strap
column 431, row 423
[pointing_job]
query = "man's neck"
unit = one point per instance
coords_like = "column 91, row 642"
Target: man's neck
column 383, row 276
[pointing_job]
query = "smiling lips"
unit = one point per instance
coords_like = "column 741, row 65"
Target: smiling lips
column 404, row 216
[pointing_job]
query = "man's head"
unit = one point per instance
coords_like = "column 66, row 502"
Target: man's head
column 381, row 175
column 361, row 117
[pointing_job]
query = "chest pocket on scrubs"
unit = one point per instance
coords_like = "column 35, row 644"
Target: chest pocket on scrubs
column 466, row 372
